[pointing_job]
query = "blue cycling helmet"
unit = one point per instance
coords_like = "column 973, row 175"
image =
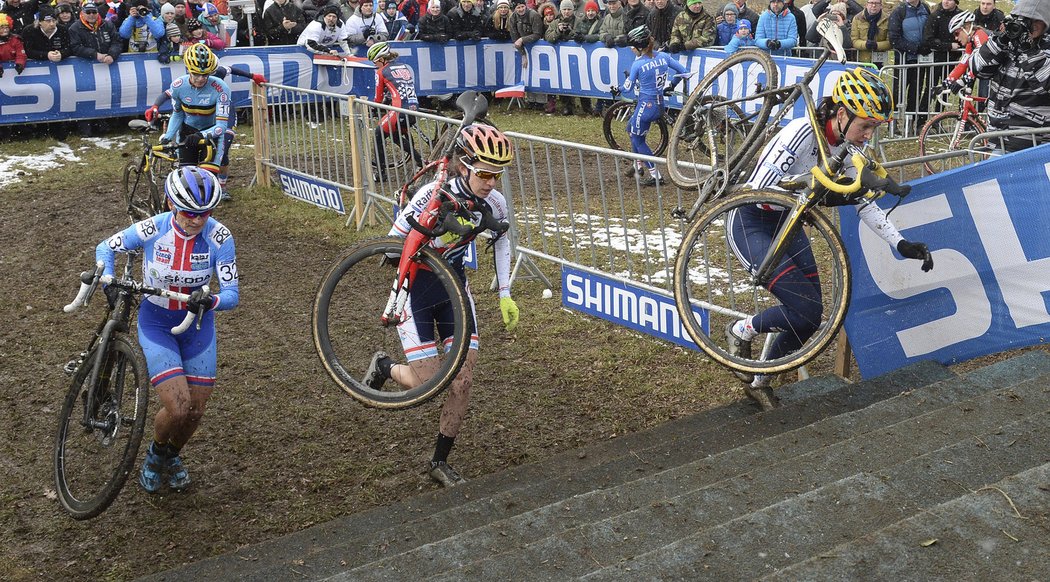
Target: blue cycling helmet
column 192, row 189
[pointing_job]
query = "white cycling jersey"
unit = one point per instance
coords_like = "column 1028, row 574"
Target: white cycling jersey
column 794, row 151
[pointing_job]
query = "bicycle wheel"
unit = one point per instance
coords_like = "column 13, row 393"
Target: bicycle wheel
column 713, row 289
column 948, row 132
column 709, row 134
column 347, row 329
column 92, row 463
column 614, row 126
column 139, row 193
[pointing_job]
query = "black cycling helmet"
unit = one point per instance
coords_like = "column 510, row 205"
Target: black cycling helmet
column 639, row 37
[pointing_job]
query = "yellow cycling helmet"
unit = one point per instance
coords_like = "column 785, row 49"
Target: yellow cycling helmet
column 485, row 143
column 863, row 94
column 200, row 60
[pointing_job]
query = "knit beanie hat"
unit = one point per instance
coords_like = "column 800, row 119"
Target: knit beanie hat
column 590, row 5
column 172, row 29
column 567, row 5
column 166, row 9
column 731, row 7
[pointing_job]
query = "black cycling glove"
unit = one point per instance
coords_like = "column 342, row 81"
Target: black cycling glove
column 917, row 251
column 200, row 302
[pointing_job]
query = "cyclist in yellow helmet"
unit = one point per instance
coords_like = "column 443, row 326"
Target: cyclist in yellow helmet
column 482, row 154
column 858, row 105
column 201, row 110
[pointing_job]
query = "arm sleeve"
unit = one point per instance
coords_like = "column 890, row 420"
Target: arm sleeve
column 121, row 242
column 502, row 251
column 226, row 272
column 126, row 27
column 156, row 27
column 876, row 219
column 790, row 41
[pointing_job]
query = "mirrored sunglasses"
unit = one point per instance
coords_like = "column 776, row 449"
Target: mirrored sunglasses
column 484, row 174
column 188, row 214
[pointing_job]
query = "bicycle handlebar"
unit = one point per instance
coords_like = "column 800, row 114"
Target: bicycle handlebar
column 89, row 281
column 873, row 178
column 447, row 221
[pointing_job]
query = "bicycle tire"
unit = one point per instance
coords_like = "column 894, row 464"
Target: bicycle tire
column 938, row 135
column 138, row 196
column 83, row 490
column 706, row 270
column 700, row 134
column 614, row 123
column 347, row 331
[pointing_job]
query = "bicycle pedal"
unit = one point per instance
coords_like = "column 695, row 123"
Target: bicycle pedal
column 678, row 213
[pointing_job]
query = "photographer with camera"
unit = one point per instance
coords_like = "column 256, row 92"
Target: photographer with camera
column 365, row 27
column 1017, row 63
column 141, row 29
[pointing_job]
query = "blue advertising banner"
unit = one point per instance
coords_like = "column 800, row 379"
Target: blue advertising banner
column 80, row 89
column 986, row 225
column 642, row 310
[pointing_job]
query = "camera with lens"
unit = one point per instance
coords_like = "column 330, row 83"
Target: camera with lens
column 1015, row 34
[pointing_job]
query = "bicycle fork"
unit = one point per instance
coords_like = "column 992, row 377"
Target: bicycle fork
column 394, row 312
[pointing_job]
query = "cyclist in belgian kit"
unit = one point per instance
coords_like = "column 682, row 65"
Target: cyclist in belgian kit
column 397, row 81
column 182, row 251
column 650, row 73
column 482, row 154
column 859, row 104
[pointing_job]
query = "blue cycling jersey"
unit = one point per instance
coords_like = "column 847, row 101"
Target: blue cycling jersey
column 206, row 110
column 651, row 74
column 175, row 262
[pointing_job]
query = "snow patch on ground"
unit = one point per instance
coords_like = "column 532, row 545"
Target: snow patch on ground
column 13, row 168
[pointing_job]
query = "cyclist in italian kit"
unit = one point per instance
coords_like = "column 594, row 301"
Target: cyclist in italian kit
column 396, row 81
column 971, row 37
column 182, row 250
column 201, row 110
column 482, row 153
column 649, row 78
column 859, row 104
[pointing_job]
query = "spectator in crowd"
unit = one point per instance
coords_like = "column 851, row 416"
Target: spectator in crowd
column 397, row 26
column 466, row 23
column 742, row 39
column 560, row 30
column 141, row 29
column 499, row 22
column 211, row 20
column 115, row 11
column 745, row 13
column 988, row 17
column 777, row 31
column 170, row 48
column 635, row 14
column 312, row 9
column 346, row 9
column 871, row 33
column 526, row 26
column 47, row 41
column 365, row 27
column 1018, row 66
column 935, row 34
column 11, row 49
column 612, row 29
column 837, row 12
column 693, row 28
column 167, row 13
column 906, row 27
column 801, row 25
column 587, row 27
column 434, row 26
column 21, row 12
column 181, row 10
column 853, row 7
column 326, row 34
column 66, row 16
column 283, row 22
column 94, row 39
column 413, row 11
column 197, row 34
column 661, row 21
column 726, row 24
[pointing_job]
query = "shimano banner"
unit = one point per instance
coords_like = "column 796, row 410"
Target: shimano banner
column 80, row 89
column 989, row 289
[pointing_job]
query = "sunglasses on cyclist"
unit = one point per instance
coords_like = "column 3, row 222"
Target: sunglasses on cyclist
column 187, row 214
column 483, row 174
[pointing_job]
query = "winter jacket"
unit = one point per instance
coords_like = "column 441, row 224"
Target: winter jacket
column 528, row 27
column 23, row 15
column 434, row 28
column 861, row 25
column 273, row 20
column 413, row 11
column 142, row 32
column 587, row 29
column 801, row 26
column 87, row 42
column 780, row 27
column 465, row 25
column 991, row 22
column 661, row 22
column 935, row 34
column 693, row 30
column 359, row 29
column 312, row 8
column 612, row 27
column 724, row 33
column 905, row 30
column 634, row 17
column 1019, row 91
column 737, row 43
column 395, row 26
column 560, row 29
column 37, row 44
column 11, row 50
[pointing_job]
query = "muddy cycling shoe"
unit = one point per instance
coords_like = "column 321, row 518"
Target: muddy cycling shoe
column 739, row 348
column 443, row 473
column 763, row 396
column 374, row 377
column 149, row 475
column 630, row 171
column 652, row 180
column 178, row 476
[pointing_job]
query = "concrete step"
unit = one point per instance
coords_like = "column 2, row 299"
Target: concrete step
column 999, row 531
column 570, row 536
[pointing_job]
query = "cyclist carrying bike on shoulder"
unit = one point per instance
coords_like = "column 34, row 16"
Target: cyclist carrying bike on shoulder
column 201, row 110
column 971, row 37
column 181, row 251
column 649, row 78
column 859, row 104
column 397, row 81
column 482, row 153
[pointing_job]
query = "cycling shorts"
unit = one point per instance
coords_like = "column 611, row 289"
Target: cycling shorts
column 191, row 354
column 431, row 311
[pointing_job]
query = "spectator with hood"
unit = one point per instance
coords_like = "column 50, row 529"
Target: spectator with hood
column 726, row 29
column 871, row 33
column 11, row 49
column 48, row 41
column 283, row 22
column 434, row 26
column 365, row 27
column 326, row 34
column 777, row 31
column 694, row 28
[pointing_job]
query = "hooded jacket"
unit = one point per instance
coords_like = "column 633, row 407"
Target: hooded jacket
column 780, row 27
